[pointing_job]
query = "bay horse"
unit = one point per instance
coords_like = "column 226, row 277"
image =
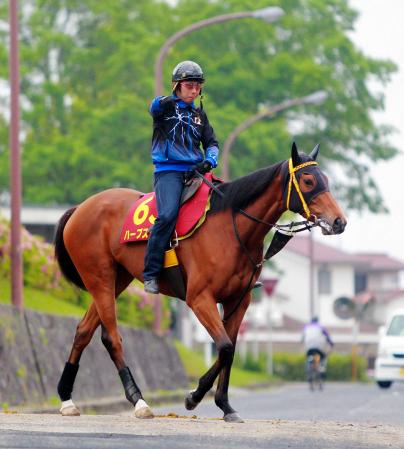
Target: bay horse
column 220, row 263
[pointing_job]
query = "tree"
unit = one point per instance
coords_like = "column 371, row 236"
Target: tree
column 87, row 81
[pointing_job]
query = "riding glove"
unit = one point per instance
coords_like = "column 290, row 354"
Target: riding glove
column 203, row 167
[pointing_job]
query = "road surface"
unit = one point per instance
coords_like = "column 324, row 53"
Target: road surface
column 345, row 416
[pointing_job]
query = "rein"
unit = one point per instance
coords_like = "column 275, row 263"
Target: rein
column 283, row 232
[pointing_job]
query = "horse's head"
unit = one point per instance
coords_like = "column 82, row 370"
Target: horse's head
column 307, row 192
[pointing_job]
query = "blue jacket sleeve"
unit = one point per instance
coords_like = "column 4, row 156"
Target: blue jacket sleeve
column 157, row 109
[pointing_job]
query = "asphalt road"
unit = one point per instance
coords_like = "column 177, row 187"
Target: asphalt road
column 342, row 402
column 343, row 416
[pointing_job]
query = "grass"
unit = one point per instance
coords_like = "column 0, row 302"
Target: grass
column 195, row 366
column 41, row 301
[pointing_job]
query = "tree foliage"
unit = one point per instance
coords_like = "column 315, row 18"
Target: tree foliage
column 87, row 80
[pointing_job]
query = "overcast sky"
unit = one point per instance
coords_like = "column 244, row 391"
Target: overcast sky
column 380, row 33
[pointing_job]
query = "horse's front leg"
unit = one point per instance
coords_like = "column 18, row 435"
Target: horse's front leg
column 205, row 309
column 232, row 326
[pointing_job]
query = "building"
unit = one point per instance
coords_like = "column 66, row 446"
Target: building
column 38, row 220
column 312, row 276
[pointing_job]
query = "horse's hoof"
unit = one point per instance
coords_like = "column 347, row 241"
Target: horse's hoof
column 190, row 404
column 144, row 413
column 142, row 410
column 70, row 410
column 232, row 417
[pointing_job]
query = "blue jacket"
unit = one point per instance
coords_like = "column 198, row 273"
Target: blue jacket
column 179, row 129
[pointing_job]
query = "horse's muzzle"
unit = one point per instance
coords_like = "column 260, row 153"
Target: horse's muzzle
column 338, row 226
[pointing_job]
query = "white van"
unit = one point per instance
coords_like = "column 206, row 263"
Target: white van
column 390, row 357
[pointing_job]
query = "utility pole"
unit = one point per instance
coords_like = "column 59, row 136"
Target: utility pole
column 15, row 158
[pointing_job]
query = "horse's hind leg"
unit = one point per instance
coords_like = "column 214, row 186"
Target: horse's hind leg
column 84, row 332
column 101, row 285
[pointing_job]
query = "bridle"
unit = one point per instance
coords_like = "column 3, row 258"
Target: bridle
column 293, row 180
column 284, row 232
column 290, row 228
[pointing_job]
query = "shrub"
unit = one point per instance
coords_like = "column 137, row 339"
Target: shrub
column 41, row 271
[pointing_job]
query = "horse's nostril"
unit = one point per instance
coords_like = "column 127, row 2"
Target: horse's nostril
column 338, row 226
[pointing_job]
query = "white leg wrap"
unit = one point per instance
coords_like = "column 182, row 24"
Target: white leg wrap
column 140, row 404
column 142, row 410
column 69, row 409
column 66, row 404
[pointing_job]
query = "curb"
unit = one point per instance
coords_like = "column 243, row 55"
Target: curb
column 105, row 405
column 118, row 404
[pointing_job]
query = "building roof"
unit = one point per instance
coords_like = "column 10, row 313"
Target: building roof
column 387, row 296
column 322, row 253
column 380, row 262
column 290, row 324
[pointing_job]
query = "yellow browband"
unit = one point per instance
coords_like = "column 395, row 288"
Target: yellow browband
column 292, row 171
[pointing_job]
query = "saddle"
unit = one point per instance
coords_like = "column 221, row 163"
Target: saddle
column 194, row 206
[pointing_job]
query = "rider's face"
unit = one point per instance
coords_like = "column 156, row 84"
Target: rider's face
column 189, row 90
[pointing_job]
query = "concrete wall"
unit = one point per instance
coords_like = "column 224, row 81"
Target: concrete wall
column 34, row 348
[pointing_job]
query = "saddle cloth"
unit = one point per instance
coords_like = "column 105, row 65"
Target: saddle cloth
column 143, row 214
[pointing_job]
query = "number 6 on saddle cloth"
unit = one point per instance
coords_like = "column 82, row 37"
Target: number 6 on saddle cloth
column 195, row 203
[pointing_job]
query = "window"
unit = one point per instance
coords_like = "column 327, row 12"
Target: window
column 397, row 326
column 324, row 281
column 361, row 282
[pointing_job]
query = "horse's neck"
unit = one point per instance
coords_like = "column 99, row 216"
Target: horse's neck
column 267, row 207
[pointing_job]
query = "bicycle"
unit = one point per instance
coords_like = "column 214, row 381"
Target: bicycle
column 315, row 372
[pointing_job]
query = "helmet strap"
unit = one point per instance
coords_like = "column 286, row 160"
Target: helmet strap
column 200, row 99
column 175, row 85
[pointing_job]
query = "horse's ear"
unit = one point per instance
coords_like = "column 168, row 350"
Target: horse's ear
column 314, row 152
column 295, row 155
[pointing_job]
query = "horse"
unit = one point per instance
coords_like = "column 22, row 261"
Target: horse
column 220, row 263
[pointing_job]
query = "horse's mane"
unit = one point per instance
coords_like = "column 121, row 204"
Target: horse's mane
column 243, row 191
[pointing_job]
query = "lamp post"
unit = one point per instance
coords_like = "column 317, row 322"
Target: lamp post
column 312, row 309
column 270, row 14
column 314, row 98
column 15, row 168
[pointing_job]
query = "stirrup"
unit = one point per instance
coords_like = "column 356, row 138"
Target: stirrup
column 174, row 241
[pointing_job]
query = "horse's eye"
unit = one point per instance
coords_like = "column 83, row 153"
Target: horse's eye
column 309, row 182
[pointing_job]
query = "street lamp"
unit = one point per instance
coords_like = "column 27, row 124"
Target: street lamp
column 314, row 98
column 15, row 163
column 270, row 14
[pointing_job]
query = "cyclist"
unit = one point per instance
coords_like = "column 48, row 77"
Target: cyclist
column 317, row 340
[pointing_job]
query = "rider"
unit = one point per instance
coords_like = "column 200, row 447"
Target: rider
column 316, row 340
column 179, row 128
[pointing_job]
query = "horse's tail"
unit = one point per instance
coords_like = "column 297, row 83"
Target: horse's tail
column 62, row 256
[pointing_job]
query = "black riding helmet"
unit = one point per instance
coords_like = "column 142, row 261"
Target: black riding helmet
column 187, row 70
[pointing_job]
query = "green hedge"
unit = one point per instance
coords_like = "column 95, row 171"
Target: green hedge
column 291, row 366
column 339, row 367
